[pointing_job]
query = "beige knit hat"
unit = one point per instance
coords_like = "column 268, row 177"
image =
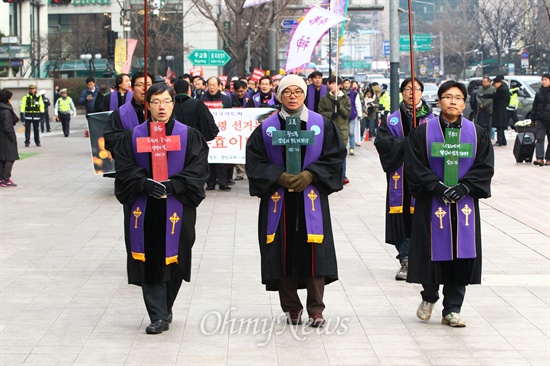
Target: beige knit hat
column 291, row 80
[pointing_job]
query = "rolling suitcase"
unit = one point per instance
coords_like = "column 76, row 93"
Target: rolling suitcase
column 524, row 147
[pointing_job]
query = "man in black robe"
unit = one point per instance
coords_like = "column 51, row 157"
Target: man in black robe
column 501, row 100
column 446, row 235
column 193, row 112
column 390, row 144
column 297, row 249
column 129, row 115
column 158, row 259
column 116, row 98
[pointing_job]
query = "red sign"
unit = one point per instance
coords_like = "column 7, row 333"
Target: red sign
column 213, row 104
column 158, row 144
column 257, row 75
column 196, row 71
column 223, row 79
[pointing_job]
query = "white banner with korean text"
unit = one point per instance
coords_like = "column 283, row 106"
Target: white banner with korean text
column 235, row 125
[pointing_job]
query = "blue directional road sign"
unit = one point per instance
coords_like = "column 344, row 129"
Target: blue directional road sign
column 288, row 23
column 386, row 48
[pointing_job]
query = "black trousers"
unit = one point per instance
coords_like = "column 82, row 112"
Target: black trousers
column 5, row 169
column 36, row 129
column 453, row 296
column 290, row 301
column 501, row 138
column 45, row 120
column 65, row 119
column 218, row 172
column 159, row 297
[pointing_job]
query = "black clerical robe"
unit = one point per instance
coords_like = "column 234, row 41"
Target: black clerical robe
column 391, row 147
column 421, row 178
column 189, row 190
column 194, row 113
column 115, row 127
column 290, row 255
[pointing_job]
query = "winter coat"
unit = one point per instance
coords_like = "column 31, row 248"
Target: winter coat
column 541, row 105
column 8, row 139
column 501, row 99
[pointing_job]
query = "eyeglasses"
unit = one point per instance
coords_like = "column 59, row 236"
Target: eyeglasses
column 408, row 89
column 449, row 98
column 297, row 93
column 140, row 85
column 157, row 102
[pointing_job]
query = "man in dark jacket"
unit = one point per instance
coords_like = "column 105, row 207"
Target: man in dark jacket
column 501, row 99
column 88, row 95
column 541, row 115
column 116, row 98
column 193, row 112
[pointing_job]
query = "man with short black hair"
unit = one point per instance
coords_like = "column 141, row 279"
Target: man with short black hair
column 446, row 237
column 88, row 95
column 315, row 90
column 265, row 96
column 121, row 95
column 160, row 216
column 32, row 108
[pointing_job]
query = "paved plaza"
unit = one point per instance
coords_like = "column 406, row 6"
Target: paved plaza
column 65, row 298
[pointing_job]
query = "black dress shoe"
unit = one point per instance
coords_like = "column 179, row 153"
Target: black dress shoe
column 38, row 145
column 169, row 319
column 210, row 188
column 27, row 144
column 225, row 188
column 497, row 144
column 157, row 327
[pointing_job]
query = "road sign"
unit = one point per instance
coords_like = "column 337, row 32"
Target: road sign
column 524, row 55
column 16, row 62
column 386, row 48
column 209, row 57
column 422, row 42
column 524, row 63
column 288, row 23
column 19, row 51
column 422, row 69
column 354, row 64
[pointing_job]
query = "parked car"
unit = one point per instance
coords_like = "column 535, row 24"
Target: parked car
column 430, row 93
column 528, row 85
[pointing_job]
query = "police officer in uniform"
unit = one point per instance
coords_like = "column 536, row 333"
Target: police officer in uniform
column 32, row 108
column 514, row 103
column 64, row 108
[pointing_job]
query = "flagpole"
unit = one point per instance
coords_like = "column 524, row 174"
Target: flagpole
column 145, row 47
column 413, row 82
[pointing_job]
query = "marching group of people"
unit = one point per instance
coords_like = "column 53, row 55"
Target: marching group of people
column 427, row 204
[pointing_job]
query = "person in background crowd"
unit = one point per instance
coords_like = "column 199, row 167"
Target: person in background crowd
column 88, row 95
column 32, row 108
column 8, row 139
column 121, row 95
column 315, row 90
column 501, row 100
column 541, row 115
column 485, row 106
column 265, row 96
column 336, row 106
column 63, row 110
column 369, row 118
column 46, row 117
column 199, row 87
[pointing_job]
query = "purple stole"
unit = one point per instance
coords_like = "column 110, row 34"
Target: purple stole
column 441, row 226
column 246, row 98
column 310, row 102
column 256, row 99
column 395, row 186
column 312, row 205
column 128, row 116
column 113, row 101
column 174, row 208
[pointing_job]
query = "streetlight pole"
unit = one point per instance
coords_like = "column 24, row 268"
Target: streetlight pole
column 88, row 60
column 464, row 62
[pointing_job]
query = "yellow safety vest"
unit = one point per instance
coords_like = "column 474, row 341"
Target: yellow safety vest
column 514, row 98
column 65, row 105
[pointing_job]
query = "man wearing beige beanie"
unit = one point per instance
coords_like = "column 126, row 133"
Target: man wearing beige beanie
column 295, row 231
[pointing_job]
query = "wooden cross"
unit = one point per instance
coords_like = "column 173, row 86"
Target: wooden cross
column 174, row 219
column 137, row 213
column 451, row 150
column 440, row 213
column 395, row 177
column 276, row 197
column 293, row 138
column 466, row 210
column 158, row 144
column 312, row 196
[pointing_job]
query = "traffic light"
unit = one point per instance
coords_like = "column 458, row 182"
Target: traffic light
column 61, row 2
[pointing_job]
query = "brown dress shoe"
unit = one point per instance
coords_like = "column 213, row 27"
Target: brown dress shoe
column 294, row 317
column 316, row 320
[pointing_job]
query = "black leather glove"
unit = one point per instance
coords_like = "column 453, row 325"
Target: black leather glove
column 439, row 191
column 457, row 192
column 169, row 186
column 299, row 182
column 284, row 179
column 22, row 115
column 154, row 188
column 336, row 102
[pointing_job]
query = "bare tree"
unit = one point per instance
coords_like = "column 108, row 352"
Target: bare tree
column 252, row 22
column 461, row 35
column 502, row 22
column 165, row 30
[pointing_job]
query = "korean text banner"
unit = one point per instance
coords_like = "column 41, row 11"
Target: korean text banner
column 235, row 125
column 309, row 31
column 101, row 159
